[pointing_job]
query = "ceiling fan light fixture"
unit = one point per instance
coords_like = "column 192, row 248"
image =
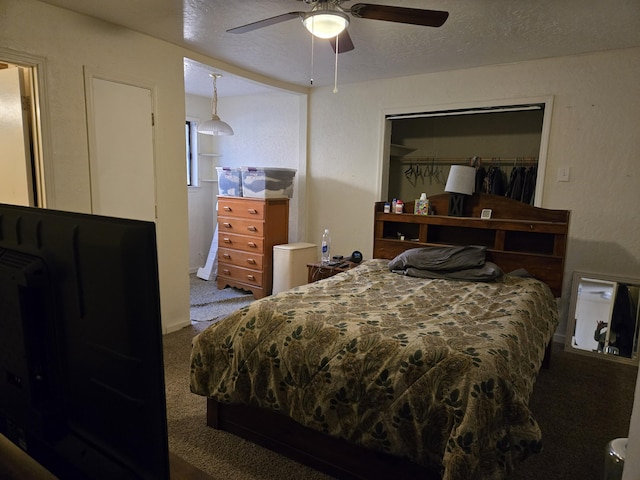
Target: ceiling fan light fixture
column 215, row 126
column 326, row 24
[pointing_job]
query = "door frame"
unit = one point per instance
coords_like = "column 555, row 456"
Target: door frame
column 40, row 135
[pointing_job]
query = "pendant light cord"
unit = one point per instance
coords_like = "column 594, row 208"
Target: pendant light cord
column 215, row 96
column 335, row 75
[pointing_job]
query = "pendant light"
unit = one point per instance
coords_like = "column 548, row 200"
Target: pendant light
column 215, row 126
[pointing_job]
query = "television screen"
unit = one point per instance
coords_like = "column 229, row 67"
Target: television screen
column 81, row 369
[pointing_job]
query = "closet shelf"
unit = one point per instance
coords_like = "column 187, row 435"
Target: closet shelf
column 400, row 150
column 487, row 162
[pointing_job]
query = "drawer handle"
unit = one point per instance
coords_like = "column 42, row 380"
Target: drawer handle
column 227, row 224
column 226, row 256
column 226, row 272
column 252, row 245
column 251, row 261
column 251, row 228
column 226, row 208
column 252, row 211
column 226, row 240
column 251, row 277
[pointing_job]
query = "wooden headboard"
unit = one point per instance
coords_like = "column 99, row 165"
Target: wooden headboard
column 516, row 236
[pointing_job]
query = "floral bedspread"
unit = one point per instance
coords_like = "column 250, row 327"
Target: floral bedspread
column 438, row 371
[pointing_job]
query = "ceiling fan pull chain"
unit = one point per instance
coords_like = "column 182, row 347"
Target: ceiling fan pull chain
column 335, row 75
column 312, row 49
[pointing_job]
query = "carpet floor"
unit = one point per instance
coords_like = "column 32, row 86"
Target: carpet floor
column 581, row 403
column 210, row 304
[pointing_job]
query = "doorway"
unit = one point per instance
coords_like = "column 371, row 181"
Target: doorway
column 21, row 170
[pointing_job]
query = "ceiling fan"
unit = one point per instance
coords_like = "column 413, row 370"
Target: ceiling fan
column 327, row 19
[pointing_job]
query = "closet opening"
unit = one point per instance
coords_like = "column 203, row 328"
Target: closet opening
column 506, row 143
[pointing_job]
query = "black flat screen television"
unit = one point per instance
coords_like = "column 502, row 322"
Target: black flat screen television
column 81, row 370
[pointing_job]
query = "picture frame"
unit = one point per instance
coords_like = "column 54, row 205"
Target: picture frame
column 486, row 213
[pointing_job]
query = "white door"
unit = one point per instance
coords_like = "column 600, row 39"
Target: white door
column 16, row 179
column 121, row 150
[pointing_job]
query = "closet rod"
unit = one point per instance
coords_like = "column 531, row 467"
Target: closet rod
column 486, row 162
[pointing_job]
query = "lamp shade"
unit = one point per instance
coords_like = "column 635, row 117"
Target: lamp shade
column 326, row 24
column 215, row 126
column 462, row 179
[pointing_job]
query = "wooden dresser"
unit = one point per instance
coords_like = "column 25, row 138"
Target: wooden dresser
column 248, row 228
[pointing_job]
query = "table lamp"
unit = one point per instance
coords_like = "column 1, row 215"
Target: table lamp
column 460, row 183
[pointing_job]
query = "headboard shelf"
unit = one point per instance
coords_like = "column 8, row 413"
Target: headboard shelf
column 517, row 236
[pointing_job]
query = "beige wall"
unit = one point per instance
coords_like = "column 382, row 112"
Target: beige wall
column 594, row 124
column 69, row 42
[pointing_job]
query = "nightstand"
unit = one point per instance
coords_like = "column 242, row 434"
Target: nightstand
column 318, row 271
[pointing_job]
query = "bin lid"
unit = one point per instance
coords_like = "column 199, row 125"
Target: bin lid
column 295, row 246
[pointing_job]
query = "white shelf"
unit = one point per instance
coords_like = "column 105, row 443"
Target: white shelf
column 400, row 150
column 210, row 154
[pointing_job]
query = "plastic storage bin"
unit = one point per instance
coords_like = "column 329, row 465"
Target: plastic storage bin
column 229, row 181
column 264, row 182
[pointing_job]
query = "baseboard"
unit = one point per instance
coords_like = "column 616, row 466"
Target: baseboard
column 176, row 326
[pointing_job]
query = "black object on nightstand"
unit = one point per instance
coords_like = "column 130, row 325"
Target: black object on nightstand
column 319, row 271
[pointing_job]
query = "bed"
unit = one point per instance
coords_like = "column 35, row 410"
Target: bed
column 375, row 373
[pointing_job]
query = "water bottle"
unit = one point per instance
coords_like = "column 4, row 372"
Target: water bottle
column 326, row 246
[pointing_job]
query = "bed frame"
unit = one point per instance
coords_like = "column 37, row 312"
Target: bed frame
column 516, row 236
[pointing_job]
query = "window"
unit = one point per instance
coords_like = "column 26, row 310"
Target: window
column 191, row 153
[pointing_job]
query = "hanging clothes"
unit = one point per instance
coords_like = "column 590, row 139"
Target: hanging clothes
column 497, row 181
column 529, row 185
column 623, row 321
column 481, row 174
column 516, row 183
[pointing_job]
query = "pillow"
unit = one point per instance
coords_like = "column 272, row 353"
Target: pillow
column 440, row 258
column 520, row 272
column 488, row 272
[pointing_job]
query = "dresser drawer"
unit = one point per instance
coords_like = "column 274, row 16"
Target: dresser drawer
column 241, row 226
column 241, row 242
column 240, row 259
column 240, row 207
column 239, row 274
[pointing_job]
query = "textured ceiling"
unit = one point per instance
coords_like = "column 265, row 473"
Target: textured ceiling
column 480, row 32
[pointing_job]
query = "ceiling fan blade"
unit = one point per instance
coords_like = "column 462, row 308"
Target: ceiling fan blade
column 414, row 16
column 266, row 22
column 345, row 44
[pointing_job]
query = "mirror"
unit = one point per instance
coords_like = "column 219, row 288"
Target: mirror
column 603, row 317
